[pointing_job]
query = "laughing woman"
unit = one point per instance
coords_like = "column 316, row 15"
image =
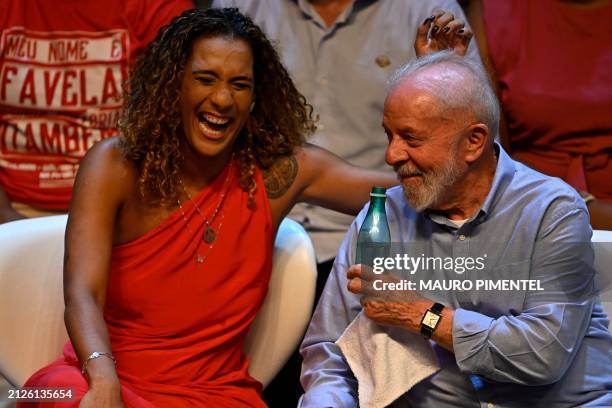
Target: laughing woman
column 171, row 228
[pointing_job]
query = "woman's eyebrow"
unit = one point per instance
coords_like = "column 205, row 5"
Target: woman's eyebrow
column 213, row 73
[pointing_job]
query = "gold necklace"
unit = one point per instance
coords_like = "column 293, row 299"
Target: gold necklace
column 209, row 235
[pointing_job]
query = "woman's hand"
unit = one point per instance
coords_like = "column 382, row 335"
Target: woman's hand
column 7, row 213
column 441, row 31
column 103, row 393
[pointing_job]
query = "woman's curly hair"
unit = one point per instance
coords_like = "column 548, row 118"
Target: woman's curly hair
column 151, row 122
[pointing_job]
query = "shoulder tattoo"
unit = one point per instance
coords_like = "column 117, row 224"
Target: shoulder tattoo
column 280, row 176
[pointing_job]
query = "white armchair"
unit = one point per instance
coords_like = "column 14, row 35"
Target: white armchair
column 31, row 298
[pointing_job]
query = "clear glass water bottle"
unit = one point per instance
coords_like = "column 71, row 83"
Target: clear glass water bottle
column 374, row 236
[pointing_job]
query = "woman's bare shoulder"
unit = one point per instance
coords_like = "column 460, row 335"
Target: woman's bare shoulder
column 105, row 176
column 107, row 160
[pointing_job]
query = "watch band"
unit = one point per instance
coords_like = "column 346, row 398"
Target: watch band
column 437, row 308
column 427, row 331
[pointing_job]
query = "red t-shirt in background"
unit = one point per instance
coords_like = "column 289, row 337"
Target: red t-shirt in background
column 554, row 67
column 62, row 68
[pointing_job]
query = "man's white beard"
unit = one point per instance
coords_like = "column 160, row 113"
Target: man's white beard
column 433, row 184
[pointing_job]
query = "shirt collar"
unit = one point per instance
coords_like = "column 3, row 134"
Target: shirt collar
column 306, row 8
column 504, row 172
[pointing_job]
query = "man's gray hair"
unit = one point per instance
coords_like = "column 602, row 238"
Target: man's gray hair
column 476, row 96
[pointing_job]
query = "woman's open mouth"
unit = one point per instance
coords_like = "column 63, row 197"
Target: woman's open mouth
column 213, row 126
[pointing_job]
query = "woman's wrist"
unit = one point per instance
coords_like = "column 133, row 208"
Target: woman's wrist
column 101, row 372
column 93, row 356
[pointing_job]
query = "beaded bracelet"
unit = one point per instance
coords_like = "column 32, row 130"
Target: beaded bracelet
column 95, row 355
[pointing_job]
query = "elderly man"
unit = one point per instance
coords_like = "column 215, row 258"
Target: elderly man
column 340, row 53
column 462, row 196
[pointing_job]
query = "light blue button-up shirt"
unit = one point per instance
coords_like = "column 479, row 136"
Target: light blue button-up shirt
column 532, row 349
column 342, row 71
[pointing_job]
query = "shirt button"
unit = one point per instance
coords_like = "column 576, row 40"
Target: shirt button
column 461, row 237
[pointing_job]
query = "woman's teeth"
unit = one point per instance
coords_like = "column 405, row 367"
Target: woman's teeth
column 215, row 120
column 206, row 128
column 212, row 125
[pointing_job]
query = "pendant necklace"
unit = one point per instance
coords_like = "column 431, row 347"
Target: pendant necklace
column 209, row 235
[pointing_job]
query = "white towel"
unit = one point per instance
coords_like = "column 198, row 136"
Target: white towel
column 387, row 361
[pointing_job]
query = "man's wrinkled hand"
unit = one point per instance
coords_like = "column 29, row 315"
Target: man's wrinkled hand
column 386, row 307
column 441, row 31
column 362, row 281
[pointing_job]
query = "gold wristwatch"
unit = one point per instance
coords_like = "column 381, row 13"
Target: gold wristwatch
column 430, row 320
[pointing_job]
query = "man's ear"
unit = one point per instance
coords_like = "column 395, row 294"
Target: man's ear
column 476, row 140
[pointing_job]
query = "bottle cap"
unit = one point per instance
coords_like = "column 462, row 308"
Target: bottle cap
column 378, row 192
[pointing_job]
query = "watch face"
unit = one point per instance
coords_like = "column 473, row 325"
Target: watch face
column 431, row 319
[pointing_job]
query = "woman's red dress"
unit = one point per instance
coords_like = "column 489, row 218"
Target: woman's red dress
column 176, row 326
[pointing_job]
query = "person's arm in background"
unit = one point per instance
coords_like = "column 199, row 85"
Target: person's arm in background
column 7, row 212
column 446, row 29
